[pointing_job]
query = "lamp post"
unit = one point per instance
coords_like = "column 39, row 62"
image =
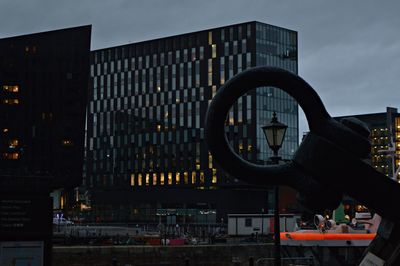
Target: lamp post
column 275, row 133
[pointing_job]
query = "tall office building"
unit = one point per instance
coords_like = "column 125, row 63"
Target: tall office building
column 43, row 93
column 146, row 155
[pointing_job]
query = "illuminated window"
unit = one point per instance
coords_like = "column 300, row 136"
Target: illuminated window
column 249, row 147
column 11, row 155
column 154, row 179
column 132, row 179
column 210, row 164
column 11, row 101
column 209, row 37
column 162, row 181
column 209, row 79
column 214, row 51
column 231, row 120
column 140, row 179
column 13, row 143
column 62, row 200
column 158, row 128
column 169, row 178
column 201, row 177
column 9, row 88
column 147, row 179
column 178, row 178
column 186, row 178
column 213, row 90
column 210, row 69
column 214, row 176
column 193, row 177
column 67, row 142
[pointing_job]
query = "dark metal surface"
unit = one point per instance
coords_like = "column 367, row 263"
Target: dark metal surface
column 328, row 163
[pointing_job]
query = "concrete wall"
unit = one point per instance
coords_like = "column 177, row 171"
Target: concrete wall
column 213, row 255
column 220, row 255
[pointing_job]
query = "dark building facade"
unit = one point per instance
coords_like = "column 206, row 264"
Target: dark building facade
column 146, row 157
column 43, row 93
column 385, row 140
column 385, row 147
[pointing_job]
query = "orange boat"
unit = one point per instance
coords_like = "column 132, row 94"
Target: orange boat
column 326, row 239
column 336, row 235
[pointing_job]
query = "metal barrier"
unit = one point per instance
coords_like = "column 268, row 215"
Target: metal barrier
column 293, row 261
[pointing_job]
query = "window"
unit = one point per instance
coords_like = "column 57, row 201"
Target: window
column 244, row 45
column 11, row 101
column 214, row 176
column 214, row 51
column 248, row 222
column 226, row 49
column 201, row 53
column 132, row 179
column 202, row 177
column 140, row 179
column 193, row 177
column 193, row 54
column 169, row 178
column 13, row 88
column 154, row 179
column 13, row 143
column 11, row 155
column 235, row 47
column 67, row 142
column 162, row 181
column 147, row 179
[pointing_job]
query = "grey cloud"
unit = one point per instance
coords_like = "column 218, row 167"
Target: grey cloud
column 349, row 51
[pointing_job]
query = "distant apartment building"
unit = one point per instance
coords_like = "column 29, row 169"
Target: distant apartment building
column 385, row 140
column 43, row 97
column 146, row 156
column 385, row 147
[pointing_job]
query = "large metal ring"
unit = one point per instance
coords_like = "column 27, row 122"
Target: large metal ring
column 228, row 94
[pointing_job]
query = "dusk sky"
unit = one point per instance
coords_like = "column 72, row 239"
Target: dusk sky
column 349, row 51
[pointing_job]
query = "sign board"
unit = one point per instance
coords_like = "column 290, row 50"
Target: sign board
column 25, row 216
column 22, row 253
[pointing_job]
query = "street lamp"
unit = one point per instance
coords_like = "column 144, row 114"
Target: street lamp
column 275, row 133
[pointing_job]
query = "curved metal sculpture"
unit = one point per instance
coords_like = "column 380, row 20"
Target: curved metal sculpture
column 331, row 151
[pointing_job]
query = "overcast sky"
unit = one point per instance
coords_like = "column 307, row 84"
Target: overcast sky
column 349, row 51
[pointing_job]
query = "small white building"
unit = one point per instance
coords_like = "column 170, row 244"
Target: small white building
column 262, row 224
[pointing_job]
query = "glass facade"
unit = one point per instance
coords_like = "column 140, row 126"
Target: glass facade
column 145, row 125
column 276, row 47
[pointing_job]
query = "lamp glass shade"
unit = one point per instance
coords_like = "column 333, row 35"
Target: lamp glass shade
column 274, row 133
